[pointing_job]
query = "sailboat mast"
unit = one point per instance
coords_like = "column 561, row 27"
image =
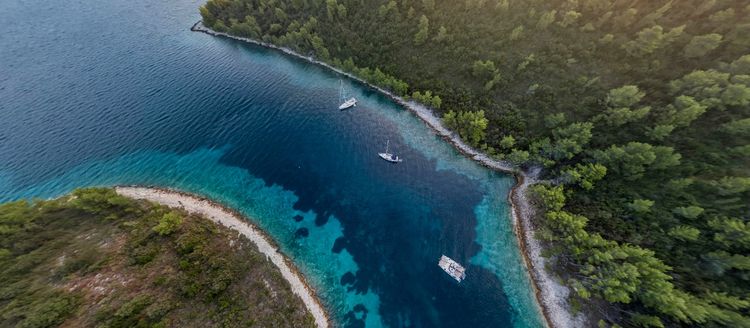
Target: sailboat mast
column 387, row 143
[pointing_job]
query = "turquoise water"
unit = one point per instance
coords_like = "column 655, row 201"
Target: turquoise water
column 121, row 92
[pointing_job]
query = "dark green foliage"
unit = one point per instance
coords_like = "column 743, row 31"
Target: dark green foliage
column 98, row 201
column 701, row 45
column 129, row 313
column 168, row 223
column 427, row 98
column 422, row 30
column 470, row 125
column 640, row 108
column 40, row 308
column 584, row 175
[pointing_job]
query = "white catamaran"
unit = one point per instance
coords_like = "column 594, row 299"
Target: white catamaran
column 452, row 268
column 388, row 156
column 345, row 103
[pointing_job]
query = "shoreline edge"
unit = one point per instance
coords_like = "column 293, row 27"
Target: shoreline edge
column 551, row 296
column 233, row 220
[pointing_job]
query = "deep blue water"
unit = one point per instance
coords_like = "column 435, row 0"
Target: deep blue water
column 121, row 92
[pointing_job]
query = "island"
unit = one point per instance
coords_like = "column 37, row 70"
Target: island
column 626, row 123
column 143, row 257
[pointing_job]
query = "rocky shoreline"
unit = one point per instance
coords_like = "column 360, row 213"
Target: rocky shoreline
column 551, row 295
column 235, row 221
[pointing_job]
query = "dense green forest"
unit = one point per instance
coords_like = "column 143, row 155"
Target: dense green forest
column 96, row 259
column 638, row 110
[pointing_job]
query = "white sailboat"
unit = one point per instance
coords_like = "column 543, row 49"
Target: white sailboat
column 345, row 103
column 388, row 156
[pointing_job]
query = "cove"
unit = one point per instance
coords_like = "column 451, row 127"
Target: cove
column 121, row 92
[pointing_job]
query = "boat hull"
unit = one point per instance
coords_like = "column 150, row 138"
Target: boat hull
column 389, row 158
column 348, row 104
column 452, row 268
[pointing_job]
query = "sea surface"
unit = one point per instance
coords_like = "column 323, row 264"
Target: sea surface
column 98, row 93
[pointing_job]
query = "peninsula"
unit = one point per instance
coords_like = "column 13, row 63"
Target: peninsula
column 143, row 257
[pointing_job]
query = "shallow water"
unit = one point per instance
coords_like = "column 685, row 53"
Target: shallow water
column 121, row 92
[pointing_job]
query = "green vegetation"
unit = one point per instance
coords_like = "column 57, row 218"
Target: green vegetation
column 638, row 110
column 469, row 125
column 98, row 259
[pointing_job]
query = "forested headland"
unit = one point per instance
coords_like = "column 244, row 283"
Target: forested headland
column 639, row 111
column 98, row 259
